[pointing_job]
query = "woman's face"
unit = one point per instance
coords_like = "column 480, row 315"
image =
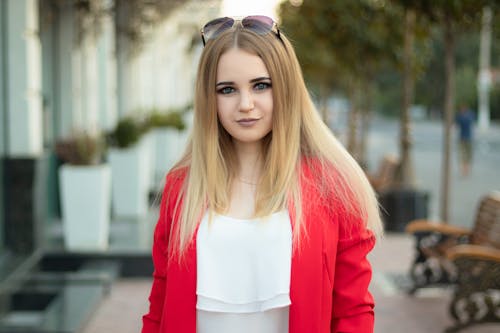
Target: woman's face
column 244, row 96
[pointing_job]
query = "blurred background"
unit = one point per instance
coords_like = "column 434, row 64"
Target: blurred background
column 96, row 106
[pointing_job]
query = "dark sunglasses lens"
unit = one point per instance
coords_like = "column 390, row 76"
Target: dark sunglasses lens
column 258, row 24
column 213, row 28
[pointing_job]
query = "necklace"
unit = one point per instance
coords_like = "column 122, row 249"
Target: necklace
column 246, row 182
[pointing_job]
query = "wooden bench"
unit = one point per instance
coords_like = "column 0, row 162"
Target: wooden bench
column 467, row 258
column 385, row 176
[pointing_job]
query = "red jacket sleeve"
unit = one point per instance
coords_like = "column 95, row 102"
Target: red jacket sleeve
column 151, row 321
column 352, row 302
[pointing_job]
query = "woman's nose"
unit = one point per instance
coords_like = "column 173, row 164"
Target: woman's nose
column 246, row 101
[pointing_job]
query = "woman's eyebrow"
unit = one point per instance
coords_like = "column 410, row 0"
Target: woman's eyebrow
column 224, row 83
column 262, row 78
column 257, row 79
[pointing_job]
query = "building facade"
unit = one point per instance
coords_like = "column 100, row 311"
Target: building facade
column 78, row 65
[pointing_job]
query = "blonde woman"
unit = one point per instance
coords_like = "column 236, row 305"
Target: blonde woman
column 266, row 221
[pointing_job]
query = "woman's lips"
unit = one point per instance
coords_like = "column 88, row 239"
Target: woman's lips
column 247, row 122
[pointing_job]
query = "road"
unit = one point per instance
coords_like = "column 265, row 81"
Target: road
column 427, row 155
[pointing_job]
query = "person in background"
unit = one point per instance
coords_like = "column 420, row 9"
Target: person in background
column 465, row 122
column 266, row 221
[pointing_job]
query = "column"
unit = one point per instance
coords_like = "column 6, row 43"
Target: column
column 484, row 75
column 65, row 53
column 107, row 73
column 22, row 163
column 23, row 84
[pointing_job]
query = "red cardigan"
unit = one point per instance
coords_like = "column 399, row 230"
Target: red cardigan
column 329, row 279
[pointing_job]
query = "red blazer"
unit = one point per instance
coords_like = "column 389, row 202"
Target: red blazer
column 329, row 279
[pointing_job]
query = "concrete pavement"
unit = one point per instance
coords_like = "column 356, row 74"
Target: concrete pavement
column 395, row 311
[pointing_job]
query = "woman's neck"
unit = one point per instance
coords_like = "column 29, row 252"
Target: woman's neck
column 250, row 162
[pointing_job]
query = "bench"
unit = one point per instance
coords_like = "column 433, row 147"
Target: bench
column 467, row 258
column 385, row 176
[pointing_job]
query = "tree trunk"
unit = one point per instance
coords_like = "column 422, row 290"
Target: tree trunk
column 449, row 43
column 365, row 125
column 406, row 177
column 352, row 139
column 324, row 104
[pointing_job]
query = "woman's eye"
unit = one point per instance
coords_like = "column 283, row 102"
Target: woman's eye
column 262, row 85
column 225, row 90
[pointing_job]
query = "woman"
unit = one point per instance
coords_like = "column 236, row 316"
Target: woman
column 266, row 221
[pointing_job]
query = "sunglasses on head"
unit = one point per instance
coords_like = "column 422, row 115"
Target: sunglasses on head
column 259, row 24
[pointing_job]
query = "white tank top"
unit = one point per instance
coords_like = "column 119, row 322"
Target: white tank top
column 243, row 274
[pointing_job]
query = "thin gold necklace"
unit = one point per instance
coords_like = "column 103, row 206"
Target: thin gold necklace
column 246, row 182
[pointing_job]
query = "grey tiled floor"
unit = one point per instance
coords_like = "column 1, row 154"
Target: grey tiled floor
column 395, row 312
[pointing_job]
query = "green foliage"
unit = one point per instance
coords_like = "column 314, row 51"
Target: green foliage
column 431, row 80
column 138, row 16
column 81, row 148
column 345, row 45
column 128, row 131
column 388, row 93
column 337, row 41
column 463, row 13
column 465, row 86
column 430, row 86
column 170, row 119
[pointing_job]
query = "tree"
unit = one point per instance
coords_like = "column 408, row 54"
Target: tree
column 136, row 19
column 342, row 45
column 415, row 33
column 452, row 16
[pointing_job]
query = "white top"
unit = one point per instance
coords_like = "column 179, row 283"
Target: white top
column 243, row 274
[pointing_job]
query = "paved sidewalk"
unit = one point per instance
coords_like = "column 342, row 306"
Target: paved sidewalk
column 395, row 312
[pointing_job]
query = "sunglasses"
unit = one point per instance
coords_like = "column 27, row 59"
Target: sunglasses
column 259, row 24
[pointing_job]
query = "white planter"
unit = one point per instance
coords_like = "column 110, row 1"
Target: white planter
column 151, row 147
column 85, row 198
column 131, row 172
column 184, row 135
column 167, row 151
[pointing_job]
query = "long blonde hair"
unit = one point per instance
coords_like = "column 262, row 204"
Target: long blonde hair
column 297, row 132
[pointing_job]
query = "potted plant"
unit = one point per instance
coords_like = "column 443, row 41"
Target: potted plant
column 129, row 156
column 85, row 184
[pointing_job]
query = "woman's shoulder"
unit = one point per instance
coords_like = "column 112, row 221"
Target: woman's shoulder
column 323, row 180
column 174, row 181
column 316, row 169
column 176, row 175
column 318, row 178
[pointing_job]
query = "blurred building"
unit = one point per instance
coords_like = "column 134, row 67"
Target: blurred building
column 67, row 66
